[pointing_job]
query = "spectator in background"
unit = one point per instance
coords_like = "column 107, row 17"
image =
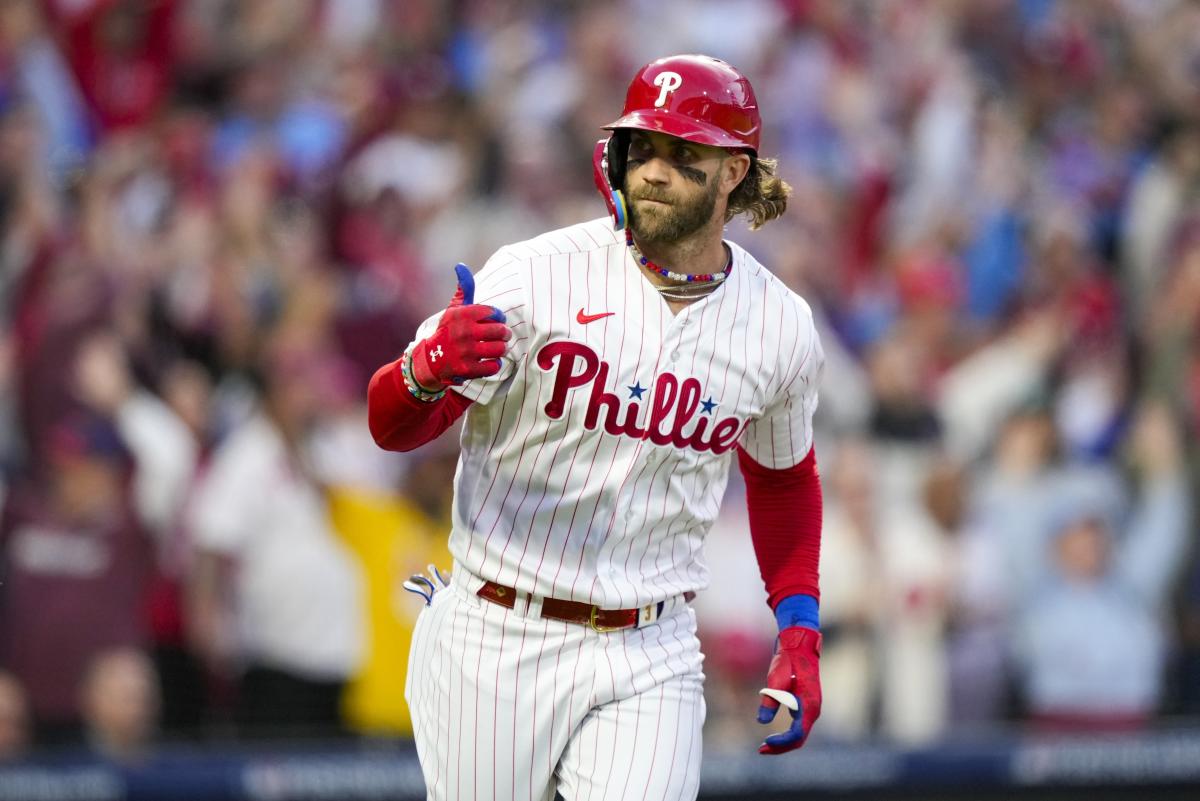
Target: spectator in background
column 914, row 547
column 119, row 698
column 165, row 449
column 1007, row 508
column 16, row 733
column 978, row 395
column 904, row 425
column 1091, row 639
column 76, row 561
column 121, row 52
column 277, row 598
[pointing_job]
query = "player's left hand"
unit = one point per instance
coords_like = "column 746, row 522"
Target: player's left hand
column 793, row 679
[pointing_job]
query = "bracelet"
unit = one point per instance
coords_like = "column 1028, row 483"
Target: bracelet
column 410, row 382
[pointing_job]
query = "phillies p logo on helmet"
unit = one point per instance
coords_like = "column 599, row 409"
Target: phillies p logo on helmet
column 669, row 81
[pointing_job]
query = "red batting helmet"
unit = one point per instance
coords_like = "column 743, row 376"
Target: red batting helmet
column 697, row 98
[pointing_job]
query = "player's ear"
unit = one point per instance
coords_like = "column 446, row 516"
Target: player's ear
column 733, row 170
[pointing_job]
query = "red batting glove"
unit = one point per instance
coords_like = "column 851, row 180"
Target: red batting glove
column 468, row 342
column 795, row 679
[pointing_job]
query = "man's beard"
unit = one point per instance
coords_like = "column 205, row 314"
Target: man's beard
column 670, row 224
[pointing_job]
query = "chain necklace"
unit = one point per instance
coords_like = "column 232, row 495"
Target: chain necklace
column 688, row 291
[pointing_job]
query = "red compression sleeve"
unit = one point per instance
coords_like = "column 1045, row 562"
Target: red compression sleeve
column 785, row 525
column 400, row 422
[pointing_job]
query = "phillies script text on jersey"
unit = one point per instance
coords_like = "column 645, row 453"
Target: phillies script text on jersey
column 670, row 394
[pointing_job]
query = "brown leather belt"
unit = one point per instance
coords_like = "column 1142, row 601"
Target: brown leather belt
column 577, row 611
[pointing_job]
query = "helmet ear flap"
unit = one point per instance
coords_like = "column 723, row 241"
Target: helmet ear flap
column 608, row 167
column 616, row 152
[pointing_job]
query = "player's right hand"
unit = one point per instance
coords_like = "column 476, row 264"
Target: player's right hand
column 468, row 342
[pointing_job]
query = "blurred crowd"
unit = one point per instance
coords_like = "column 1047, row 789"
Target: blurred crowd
column 217, row 218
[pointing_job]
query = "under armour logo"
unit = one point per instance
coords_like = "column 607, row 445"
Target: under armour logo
column 433, row 356
column 669, row 81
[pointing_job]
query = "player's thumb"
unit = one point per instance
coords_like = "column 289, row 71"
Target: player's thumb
column 465, row 294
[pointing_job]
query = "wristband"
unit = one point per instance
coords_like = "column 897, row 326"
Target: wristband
column 410, row 383
column 798, row 610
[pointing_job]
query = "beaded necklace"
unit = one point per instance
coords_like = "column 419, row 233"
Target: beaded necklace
column 697, row 279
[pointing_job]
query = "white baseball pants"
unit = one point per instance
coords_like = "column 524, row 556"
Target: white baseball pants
column 508, row 705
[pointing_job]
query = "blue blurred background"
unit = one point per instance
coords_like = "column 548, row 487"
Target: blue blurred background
column 217, row 218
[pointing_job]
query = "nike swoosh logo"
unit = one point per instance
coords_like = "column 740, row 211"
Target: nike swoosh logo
column 584, row 319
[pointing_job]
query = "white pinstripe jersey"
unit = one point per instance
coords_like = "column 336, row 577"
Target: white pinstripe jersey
column 594, row 463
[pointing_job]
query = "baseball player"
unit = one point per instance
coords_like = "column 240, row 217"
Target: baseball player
column 608, row 375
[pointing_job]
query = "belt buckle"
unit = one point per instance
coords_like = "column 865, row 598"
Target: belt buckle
column 596, row 626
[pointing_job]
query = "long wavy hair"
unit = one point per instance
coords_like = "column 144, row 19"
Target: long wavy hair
column 762, row 195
